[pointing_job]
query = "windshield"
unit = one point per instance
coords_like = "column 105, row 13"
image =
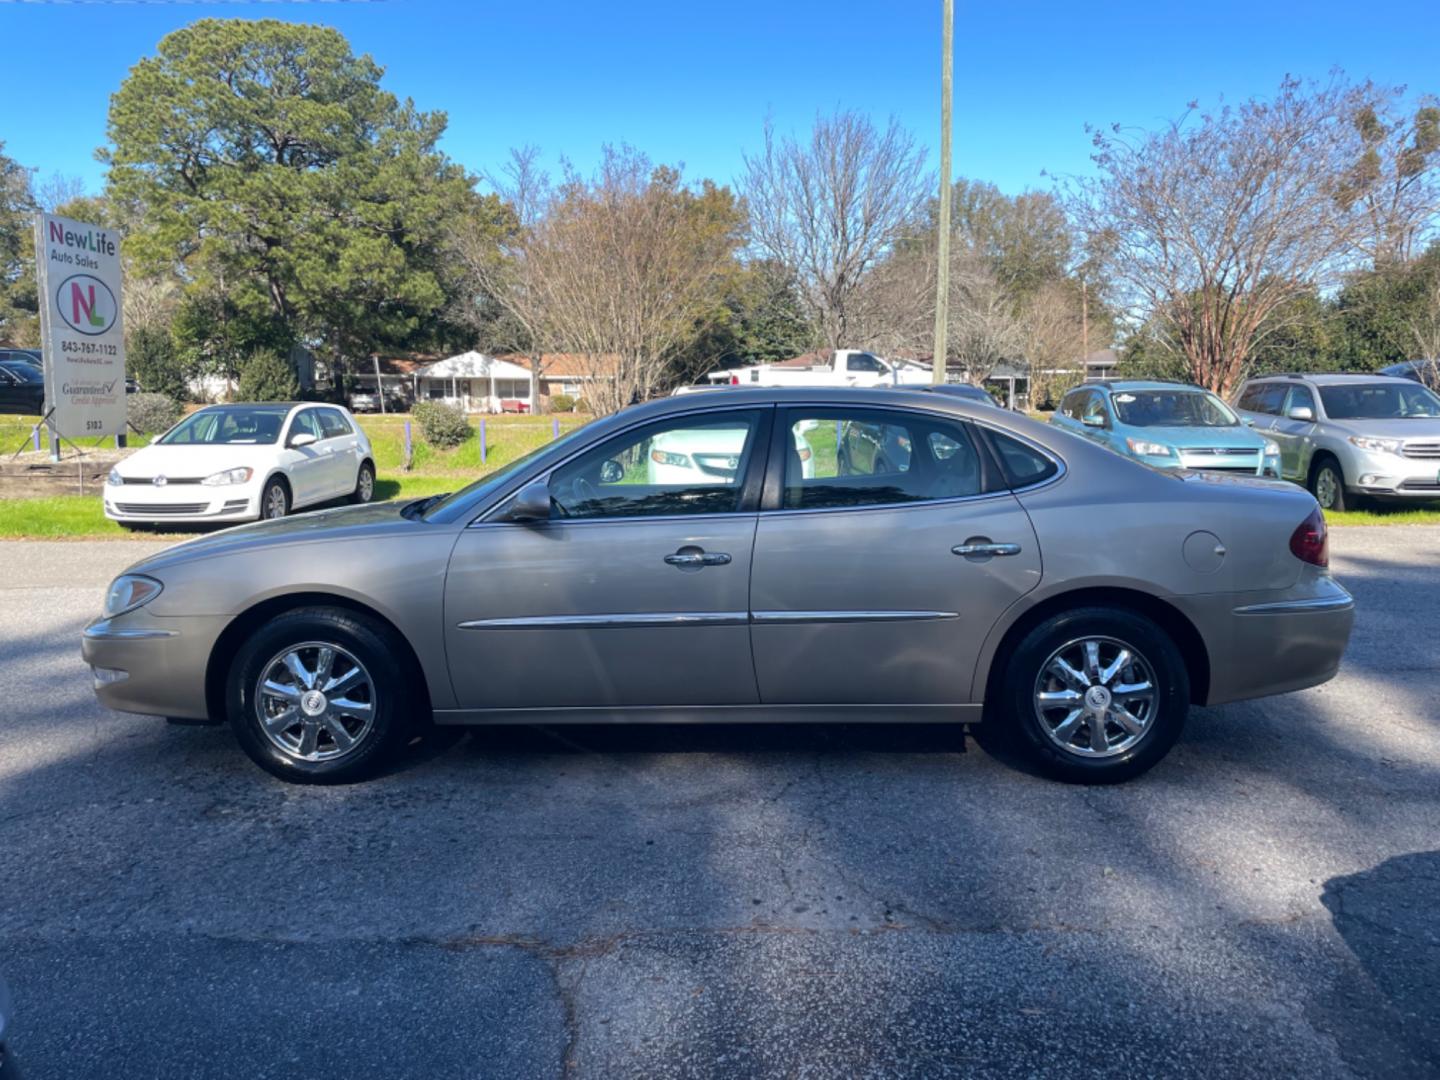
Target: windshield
column 482, row 487
column 1379, row 401
column 1172, row 408
column 249, row 424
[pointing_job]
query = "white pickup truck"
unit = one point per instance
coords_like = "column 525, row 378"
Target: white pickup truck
column 846, row 367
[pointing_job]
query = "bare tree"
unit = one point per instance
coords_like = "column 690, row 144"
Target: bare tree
column 56, row 190
column 1393, row 182
column 985, row 325
column 1425, row 329
column 628, row 263
column 1053, row 340
column 1212, row 225
column 497, row 256
column 829, row 209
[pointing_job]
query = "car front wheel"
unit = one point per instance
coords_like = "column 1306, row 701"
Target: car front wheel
column 1098, row 695
column 274, row 500
column 1327, row 484
column 317, row 696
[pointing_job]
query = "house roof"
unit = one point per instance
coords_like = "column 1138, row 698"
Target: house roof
column 396, row 365
column 818, row 358
column 568, row 365
column 473, row 365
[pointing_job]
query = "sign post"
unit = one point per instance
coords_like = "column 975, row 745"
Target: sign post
column 77, row 268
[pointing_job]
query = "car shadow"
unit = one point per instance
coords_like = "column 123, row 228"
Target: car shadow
column 1387, row 917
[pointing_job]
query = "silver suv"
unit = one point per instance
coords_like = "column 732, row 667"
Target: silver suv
column 1348, row 435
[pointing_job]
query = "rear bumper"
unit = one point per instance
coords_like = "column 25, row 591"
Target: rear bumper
column 148, row 664
column 1272, row 643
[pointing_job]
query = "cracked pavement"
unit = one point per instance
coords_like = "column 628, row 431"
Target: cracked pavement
column 804, row 901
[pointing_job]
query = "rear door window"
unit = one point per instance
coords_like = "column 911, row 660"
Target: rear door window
column 836, row 458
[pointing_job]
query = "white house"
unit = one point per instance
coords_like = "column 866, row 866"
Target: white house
column 476, row 383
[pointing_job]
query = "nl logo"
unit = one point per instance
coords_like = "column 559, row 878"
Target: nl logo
column 86, row 304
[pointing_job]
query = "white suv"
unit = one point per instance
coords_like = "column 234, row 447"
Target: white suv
column 228, row 463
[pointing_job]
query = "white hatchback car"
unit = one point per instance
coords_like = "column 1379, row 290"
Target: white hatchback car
column 227, row 463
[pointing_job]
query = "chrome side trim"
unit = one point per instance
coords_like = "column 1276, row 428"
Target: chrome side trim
column 958, row 713
column 103, row 632
column 1299, row 607
column 781, row 618
column 593, row 622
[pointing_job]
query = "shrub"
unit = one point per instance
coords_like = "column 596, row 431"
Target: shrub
column 562, row 403
column 442, row 426
column 152, row 413
column 153, row 363
column 266, row 377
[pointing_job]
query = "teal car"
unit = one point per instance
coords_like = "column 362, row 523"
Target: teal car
column 1170, row 425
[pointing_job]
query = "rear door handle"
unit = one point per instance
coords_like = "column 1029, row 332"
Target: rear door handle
column 984, row 549
column 695, row 557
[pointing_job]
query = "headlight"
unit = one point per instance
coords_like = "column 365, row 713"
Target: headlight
column 114, row 479
column 229, row 476
column 1377, row 446
column 128, row 592
column 665, row 457
column 1149, row 449
column 1272, row 448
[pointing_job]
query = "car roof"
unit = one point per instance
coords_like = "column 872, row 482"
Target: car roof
column 1141, row 384
column 1330, row 378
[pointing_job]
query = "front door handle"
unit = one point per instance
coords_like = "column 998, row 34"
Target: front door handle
column 692, row 557
column 984, row 549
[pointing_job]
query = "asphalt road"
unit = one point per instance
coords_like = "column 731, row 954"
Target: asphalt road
column 727, row 902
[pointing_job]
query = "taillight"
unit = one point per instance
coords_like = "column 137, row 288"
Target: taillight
column 1310, row 541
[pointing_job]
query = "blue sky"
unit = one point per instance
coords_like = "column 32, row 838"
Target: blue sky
column 693, row 83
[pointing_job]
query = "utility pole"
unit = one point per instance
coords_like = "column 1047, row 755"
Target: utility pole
column 942, row 247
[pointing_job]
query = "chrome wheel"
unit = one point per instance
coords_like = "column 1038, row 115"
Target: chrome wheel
column 365, row 488
column 315, row 701
column 1096, row 697
column 1326, row 485
column 274, row 504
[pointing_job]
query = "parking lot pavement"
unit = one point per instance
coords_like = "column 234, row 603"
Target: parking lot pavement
column 724, row 902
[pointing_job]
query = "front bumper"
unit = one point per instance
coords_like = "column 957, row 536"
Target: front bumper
column 149, row 664
column 182, row 502
column 1272, row 642
column 1392, row 475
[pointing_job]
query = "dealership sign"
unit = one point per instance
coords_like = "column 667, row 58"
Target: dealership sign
column 78, row 269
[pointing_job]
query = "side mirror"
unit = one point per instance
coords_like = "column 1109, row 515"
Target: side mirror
column 612, row 472
column 530, row 503
column 304, row 438
column 1093, row 421
column 1301, row 412
column 1247, row 421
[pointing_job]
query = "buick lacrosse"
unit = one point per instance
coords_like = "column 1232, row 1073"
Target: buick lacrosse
column 831, row 554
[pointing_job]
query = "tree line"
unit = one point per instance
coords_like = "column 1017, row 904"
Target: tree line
column 273, row 194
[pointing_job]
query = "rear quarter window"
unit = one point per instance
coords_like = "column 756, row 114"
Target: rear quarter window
column 1024, row 466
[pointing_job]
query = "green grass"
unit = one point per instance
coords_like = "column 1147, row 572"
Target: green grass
column 1386, row 515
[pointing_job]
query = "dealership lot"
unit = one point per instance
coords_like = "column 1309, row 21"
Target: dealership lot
column 799, row 901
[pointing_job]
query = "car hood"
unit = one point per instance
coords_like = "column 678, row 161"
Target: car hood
column 1420, row 427
column 196, row 462
column 1187, row 437
column 342, row 523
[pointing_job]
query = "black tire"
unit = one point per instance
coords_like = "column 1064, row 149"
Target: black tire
column 1165, row 715
column 1334, row 483
column 364, row 484
column 275, row 495
column 379, row 654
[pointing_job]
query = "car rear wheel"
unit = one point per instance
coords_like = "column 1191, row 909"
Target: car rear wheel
column 1098, row 695
column 274, row 500
column 1327, row 484
column 364, row 484
column 317, row 696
